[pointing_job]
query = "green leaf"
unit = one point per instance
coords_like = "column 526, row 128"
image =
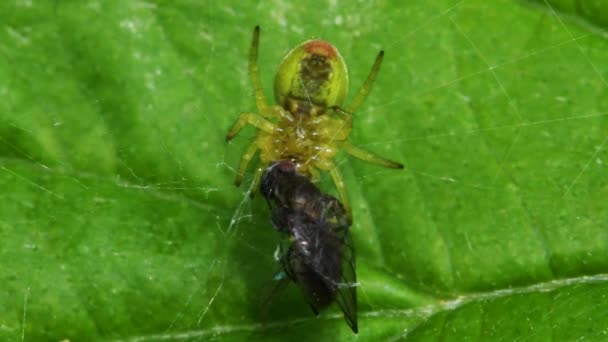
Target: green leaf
column 120, row 221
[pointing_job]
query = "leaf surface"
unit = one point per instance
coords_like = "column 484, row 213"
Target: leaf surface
column 120, row 221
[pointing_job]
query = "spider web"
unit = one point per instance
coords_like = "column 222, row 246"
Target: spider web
column 470, row 124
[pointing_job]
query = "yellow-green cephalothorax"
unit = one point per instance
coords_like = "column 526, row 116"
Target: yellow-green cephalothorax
column 311, row 77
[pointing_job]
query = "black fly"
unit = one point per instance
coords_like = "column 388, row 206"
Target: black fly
column 316, row 251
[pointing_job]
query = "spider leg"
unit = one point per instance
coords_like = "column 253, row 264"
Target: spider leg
column 252, row 119
column 254, row 72
column 367, row 85
column 255, row 184
column 339, row 182
column 368, row 156
column 277, row 111
column 315, row 176
column 347, row 118
column 252, row 149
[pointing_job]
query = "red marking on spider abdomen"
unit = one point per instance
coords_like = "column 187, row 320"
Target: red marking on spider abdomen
column 321, row 47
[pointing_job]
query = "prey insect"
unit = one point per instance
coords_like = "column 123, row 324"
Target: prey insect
column 308, row 124
column 315, row 251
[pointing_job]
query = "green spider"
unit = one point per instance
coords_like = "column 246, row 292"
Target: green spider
column 308, row 125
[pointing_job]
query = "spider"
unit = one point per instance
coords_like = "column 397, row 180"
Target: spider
column 308, row 125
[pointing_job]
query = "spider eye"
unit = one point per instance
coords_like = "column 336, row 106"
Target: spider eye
column 313, row 71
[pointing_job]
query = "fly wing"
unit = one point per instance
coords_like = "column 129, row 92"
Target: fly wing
column 346, row 293
column 346, row 289
column 297, row 263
